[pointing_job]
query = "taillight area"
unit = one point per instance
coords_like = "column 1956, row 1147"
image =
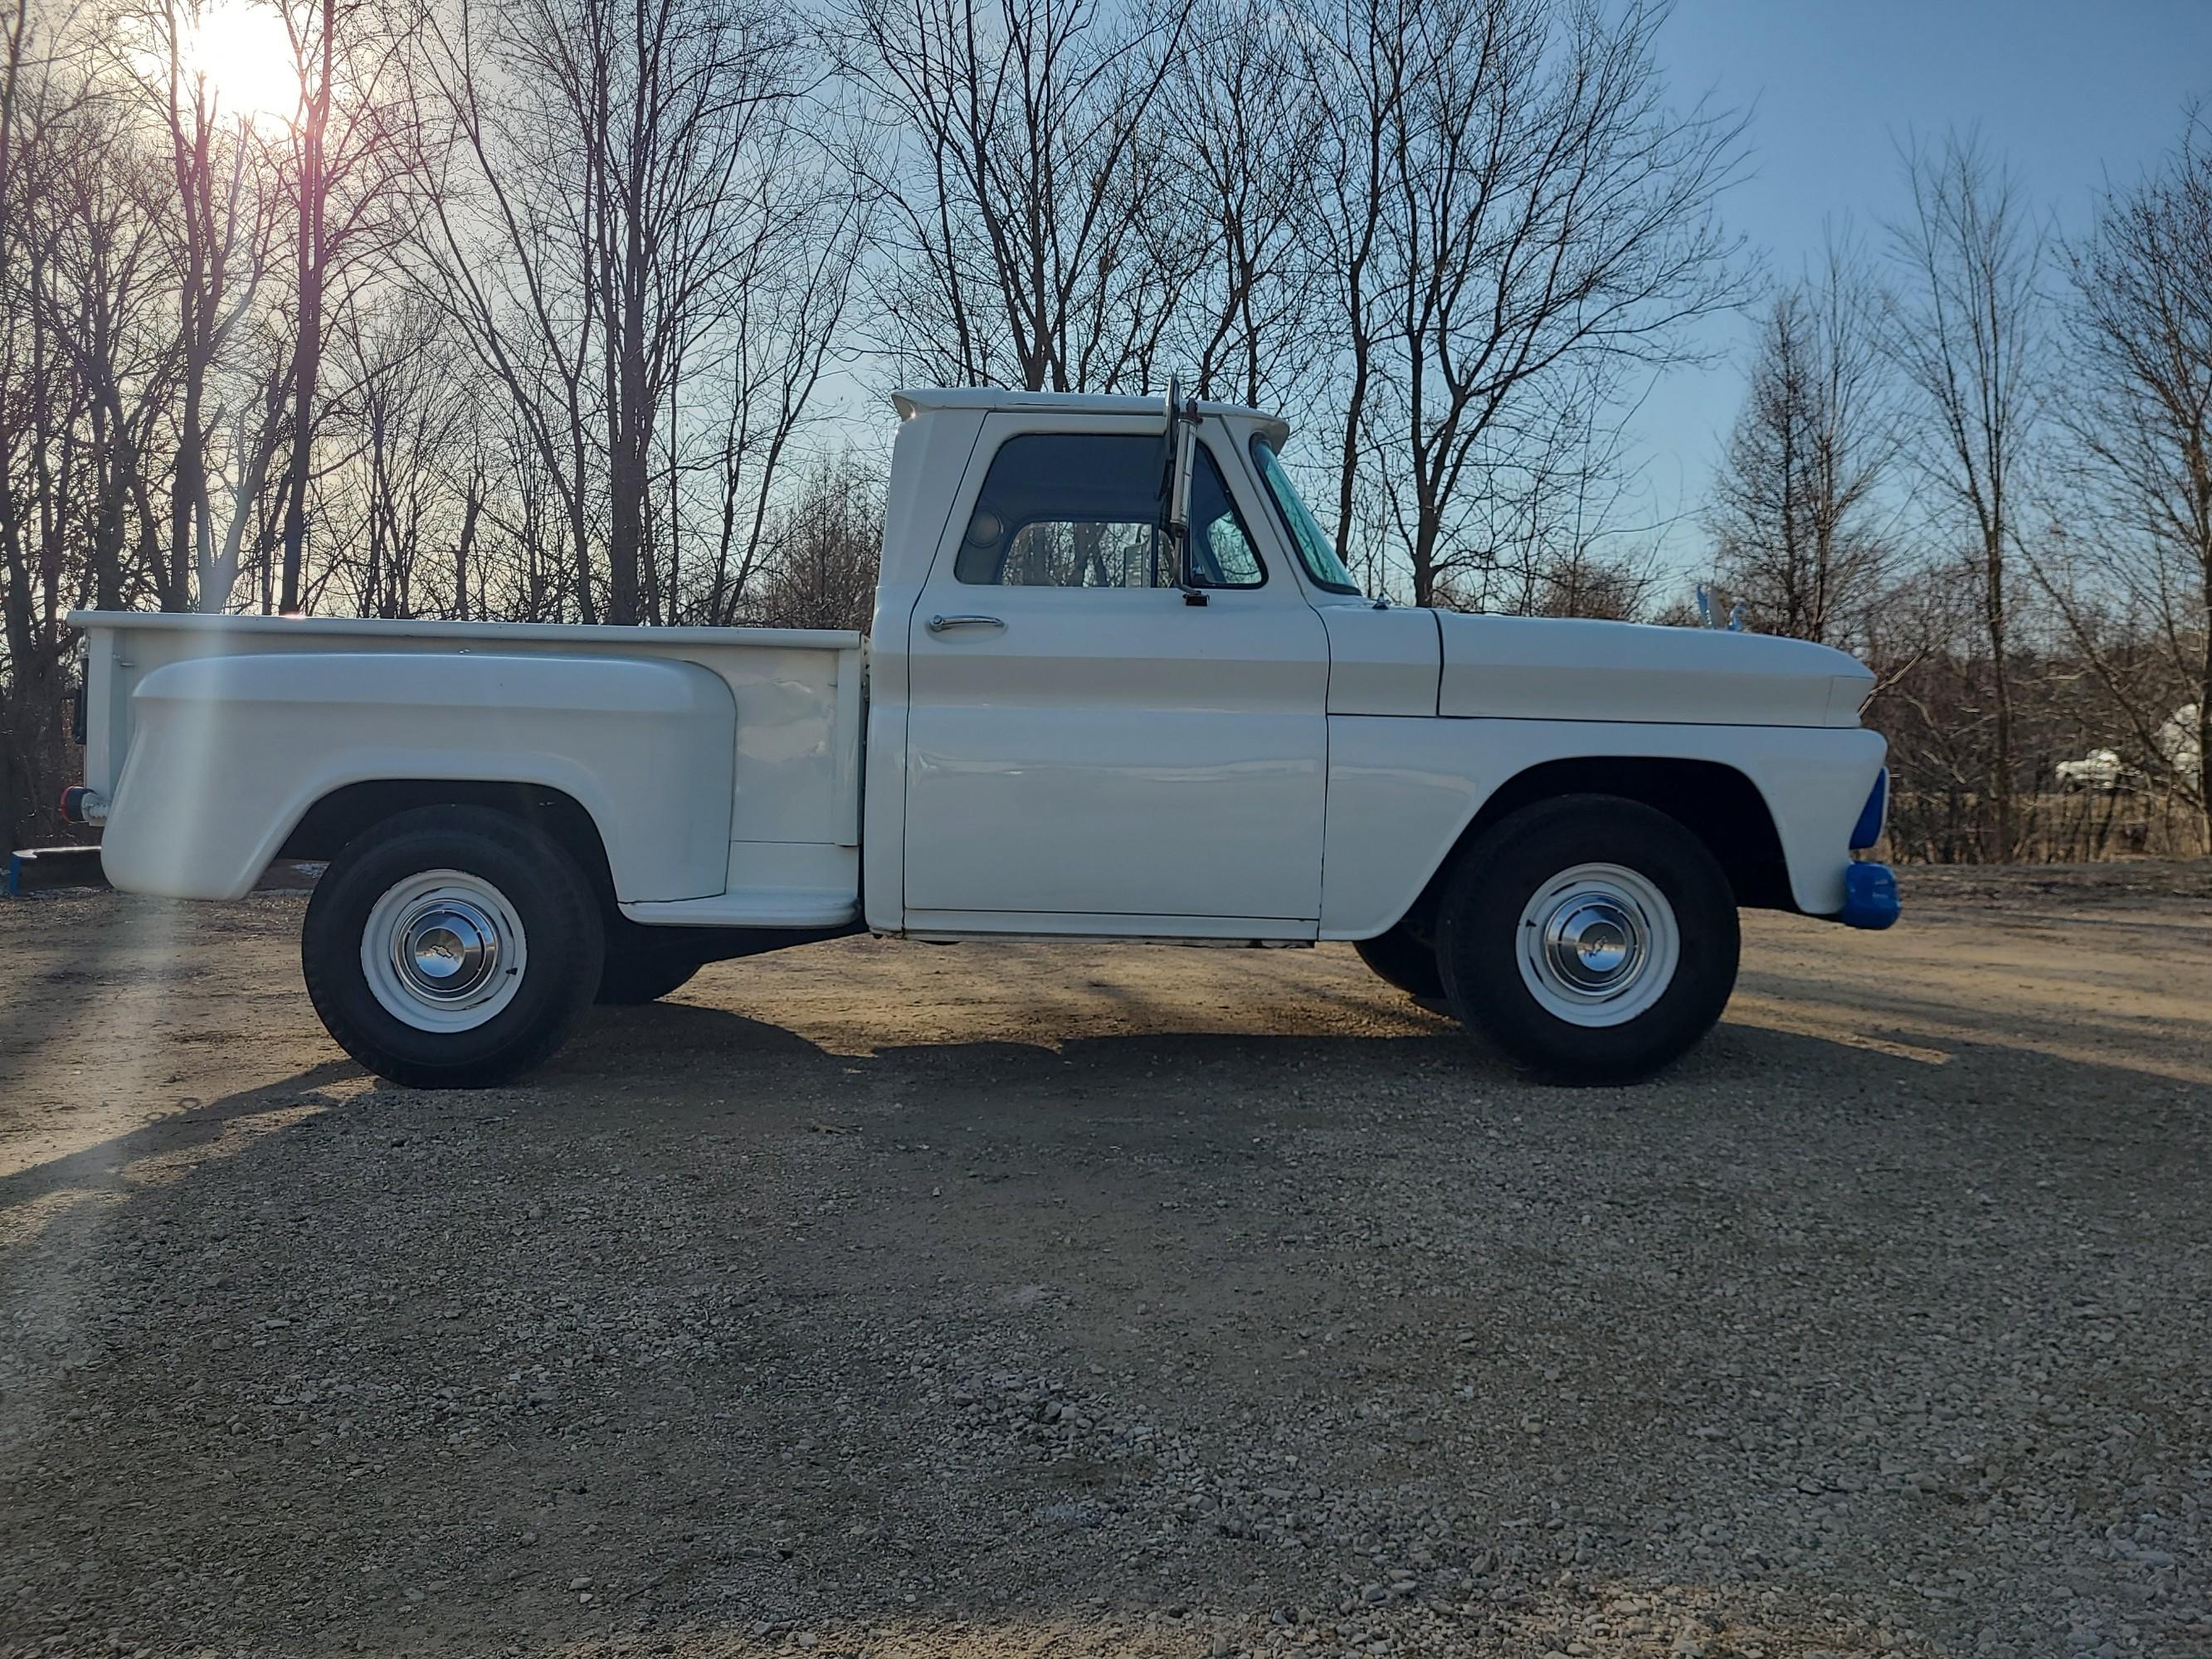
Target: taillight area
column 81, row 805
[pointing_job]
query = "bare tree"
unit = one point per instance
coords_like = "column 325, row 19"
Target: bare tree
column 780, row 327
column 41, row 414
column 352, row 150
column 1796, row 516
column 518, row 276
column 222, row 209
column 409, row 417
column 1350, row 70
column 1018, row 173
column 2140, row 414
column 1249, row 292
column 1582, row 582
column 823, row 549
column 1519, row 218
column 640, row 188
column 1968, row 332
column 98, row 287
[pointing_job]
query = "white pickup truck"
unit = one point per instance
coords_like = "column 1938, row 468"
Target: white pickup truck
column 1117, row 687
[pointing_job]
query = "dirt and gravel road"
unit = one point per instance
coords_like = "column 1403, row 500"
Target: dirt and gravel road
column 881, row 1298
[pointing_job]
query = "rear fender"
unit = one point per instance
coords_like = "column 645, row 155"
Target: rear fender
column 229, row 753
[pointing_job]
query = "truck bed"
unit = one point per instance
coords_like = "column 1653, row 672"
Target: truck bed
column 749, row 814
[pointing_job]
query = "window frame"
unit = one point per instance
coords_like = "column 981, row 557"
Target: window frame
column 1289, row 531
column 1014, row 528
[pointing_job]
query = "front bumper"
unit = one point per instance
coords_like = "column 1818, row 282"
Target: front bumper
column 1870, row 898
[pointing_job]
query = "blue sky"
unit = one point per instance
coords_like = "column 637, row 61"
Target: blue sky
column 2071, row 93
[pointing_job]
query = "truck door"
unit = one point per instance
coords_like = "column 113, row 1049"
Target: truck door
column 1085, row 743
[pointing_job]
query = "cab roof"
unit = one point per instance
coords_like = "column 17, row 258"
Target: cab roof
column 918, row 399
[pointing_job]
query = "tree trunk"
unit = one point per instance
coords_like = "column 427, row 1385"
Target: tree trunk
column 307, row 357
column 2001, row 687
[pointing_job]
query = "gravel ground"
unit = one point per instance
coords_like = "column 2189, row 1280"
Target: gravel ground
column 877, row 1299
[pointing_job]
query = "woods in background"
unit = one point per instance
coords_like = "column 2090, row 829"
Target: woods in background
column 571, row 310
column 1982, row 457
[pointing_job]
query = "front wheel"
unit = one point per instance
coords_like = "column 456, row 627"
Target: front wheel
column 452, row 947
column 1592, row 938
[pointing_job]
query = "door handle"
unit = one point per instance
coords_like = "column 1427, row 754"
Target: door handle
column 943, row 624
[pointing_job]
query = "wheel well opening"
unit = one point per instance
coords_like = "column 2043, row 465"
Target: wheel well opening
column 1716, row 802
column 344, row 814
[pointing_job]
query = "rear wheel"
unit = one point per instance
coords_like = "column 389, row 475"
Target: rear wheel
column 1592, row 938
column 1400, row 958
column 450, row 947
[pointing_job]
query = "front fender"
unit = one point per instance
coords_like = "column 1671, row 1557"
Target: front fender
column 227, row 754
column 1401, row 791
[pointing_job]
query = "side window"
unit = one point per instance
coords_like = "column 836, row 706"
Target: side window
column 1079, row 510
column 1221, row 547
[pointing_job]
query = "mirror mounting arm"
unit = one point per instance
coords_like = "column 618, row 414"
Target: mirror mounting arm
column 1180, row 445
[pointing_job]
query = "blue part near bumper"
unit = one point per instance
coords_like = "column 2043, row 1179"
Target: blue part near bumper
column 1870, row 898
column 1873, row 816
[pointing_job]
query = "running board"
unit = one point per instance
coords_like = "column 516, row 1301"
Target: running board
column 750, row 907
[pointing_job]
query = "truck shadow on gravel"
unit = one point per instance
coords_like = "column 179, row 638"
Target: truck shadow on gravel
column 710, row 1337
column 688, row 1049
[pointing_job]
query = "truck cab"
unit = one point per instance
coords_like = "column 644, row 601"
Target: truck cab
column 1069, row 731
column 1117, row 686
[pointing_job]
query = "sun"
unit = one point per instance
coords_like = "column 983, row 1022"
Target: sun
column 242, row 52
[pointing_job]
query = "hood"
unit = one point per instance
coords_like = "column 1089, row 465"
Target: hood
column 1539, row 668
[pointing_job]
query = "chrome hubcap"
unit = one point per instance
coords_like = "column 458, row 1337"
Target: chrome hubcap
column 446, row 949
column 1599, row 945
column 1596, row 942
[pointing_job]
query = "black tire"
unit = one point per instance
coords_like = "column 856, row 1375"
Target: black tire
column 1400, row 958
column 561, row 943
column 631, row 976
column 1489, row 962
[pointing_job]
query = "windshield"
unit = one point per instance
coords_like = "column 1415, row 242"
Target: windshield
column 1315, row 550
